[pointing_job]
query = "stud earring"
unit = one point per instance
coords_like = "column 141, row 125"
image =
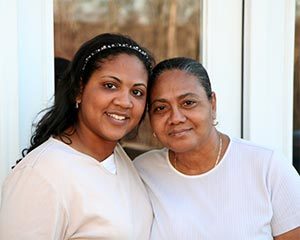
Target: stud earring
column 215, row 122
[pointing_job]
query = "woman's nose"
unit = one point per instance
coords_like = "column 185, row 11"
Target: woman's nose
column 176, row 117
column 123, row 100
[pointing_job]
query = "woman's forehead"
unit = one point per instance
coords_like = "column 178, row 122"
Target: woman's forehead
column 176, row 83
column 177, row 78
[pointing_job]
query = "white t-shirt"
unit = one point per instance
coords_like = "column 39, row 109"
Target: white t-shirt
column 253, row 194
column 58, row 193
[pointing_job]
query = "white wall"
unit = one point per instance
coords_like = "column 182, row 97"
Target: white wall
column 222, row 48
column 268, row 73
column 9, row 95
column 36, row 62
column 27, row 76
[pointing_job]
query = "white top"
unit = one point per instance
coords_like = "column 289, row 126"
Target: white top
column 253, row 193
column 58, row 193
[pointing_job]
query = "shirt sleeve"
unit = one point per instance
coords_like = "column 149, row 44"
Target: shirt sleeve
column 284, row 186
column 31, row 208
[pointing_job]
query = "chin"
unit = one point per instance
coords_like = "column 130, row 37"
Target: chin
column 113, row 137
column 181, row 147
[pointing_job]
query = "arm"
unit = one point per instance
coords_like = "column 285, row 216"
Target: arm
column 290, row 235
column 284, row 185
column 31, row 208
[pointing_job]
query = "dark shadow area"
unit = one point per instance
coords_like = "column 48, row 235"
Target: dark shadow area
column 60, row 66
column 296, row 150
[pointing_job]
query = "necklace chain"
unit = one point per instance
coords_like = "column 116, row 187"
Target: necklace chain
column 220, row 150
column 218, row 156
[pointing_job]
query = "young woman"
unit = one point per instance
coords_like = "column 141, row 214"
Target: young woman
column 204, row 184
column 76, row 182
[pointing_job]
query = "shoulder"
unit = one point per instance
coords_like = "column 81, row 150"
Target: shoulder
column 30, row 179
column 251, row 150
column 260, row 158
column 250, row 146
column 50, row 162
column 37, row 156
column 124, row 161
column 120, row 152
column 150, row 158
column 51, row 156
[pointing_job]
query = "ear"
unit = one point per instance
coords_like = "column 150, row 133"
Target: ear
column 213, row 101
column 78, row 99
column 79, row 96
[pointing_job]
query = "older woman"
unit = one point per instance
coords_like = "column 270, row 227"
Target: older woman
column 204, row 184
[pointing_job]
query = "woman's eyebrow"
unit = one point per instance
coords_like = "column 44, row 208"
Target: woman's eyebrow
column 120, row 81
column 161, row 100
column 113, row 77
column 189, row 94
column 140, row 84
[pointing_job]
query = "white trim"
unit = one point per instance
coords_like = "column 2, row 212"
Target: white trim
column 288, row 74
column 9, row 96
column 48, row 52
column 222, row 44
column 36, row 61
column 268, row 73
column 27, row 76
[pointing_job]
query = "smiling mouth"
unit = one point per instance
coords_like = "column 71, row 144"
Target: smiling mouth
column 117, row 116
column 179, row 132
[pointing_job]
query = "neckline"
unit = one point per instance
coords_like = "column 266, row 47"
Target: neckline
column 219, row 165
column 90, row 158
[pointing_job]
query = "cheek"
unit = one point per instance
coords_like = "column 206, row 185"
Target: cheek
column 156, row 123
column 92, row 104
column 139, row 107
column 211, row 115
column 89, row 97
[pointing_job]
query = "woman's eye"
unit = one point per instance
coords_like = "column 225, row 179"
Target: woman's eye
column 189, row 103
column 159, row 108
column 137, row 93
column 110, row 85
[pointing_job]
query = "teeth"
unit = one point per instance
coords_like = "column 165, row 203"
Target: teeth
column 115, row 116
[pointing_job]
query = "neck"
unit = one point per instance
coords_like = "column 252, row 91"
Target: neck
column 200, row 160
column 90, row 144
